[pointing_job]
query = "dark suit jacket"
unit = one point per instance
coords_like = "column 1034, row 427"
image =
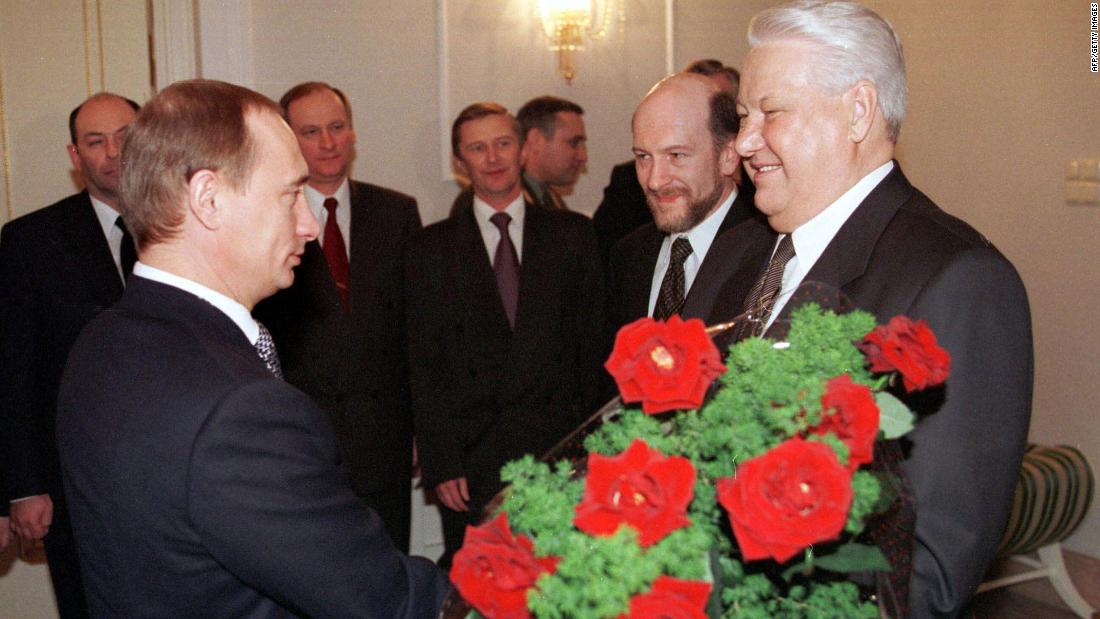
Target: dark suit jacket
column 353, row 364
column 56, row 274
column 634, row 258
column 201, row 486
column 484, row 394
column 623, row 208
column 900, row 254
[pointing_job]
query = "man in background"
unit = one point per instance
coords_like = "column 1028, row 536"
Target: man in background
column 340, row 328
column 505, row 325
column 59, row 267
column 684, row 132
column 554, row 148
column 623, row 208
column 201, row 483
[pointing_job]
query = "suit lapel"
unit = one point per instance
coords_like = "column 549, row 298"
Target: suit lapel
column 848, row 255
column 639, row 275
column 536, row 269
column 82, row 240
column 718, row 264
column 365, row 223
column 473, row 273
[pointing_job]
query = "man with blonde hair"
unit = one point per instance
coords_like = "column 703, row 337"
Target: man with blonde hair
column 201, row 484
column 822, row 100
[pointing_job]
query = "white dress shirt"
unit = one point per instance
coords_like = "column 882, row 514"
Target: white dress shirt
column 316, row 201
column 811, row 238
column 489, row 231
column 236, row 312
column 701, row 237
column 107, row 216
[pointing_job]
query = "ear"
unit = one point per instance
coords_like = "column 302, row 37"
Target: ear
column 460, row 166
column 202, row 191
column 74, row 157
column 862, row 104
column 728, row 159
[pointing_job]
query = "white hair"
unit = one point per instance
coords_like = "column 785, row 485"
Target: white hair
column 856, row 44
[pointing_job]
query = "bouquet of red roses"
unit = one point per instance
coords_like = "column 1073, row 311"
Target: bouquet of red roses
column 750, row 505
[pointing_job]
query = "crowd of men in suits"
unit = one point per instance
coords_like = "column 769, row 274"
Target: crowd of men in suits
column 244, row 407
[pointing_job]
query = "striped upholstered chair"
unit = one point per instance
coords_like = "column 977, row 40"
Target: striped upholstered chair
column 1053, row 495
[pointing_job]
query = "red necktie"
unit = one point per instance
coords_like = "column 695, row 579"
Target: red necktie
column 335, row 252
column 506, row 267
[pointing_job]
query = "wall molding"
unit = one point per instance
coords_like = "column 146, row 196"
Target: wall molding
column 174, row 49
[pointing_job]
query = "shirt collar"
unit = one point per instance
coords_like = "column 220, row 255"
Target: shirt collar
column 516, row 210
column 702, row 235
column 811, row 238
column 105, row 213
column 316, row 199
column 236, row 312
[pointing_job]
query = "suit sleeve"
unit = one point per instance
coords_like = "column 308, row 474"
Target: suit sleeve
column 269, row 501
column 966, row 455
column 593, row 338
column 21, row 417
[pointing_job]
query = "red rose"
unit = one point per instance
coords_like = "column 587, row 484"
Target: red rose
column 639, row 487
column 786, row 499
column 671, row 598
column 911, row 349
column 665, row 365
column 493, row 570
column 849, row 411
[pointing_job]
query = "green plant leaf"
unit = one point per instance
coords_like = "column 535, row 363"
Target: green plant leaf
column 895, row 418
column 854, row 558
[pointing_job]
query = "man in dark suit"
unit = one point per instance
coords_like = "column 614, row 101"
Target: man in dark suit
column 554, row 148
column 623, row 208
column 340, row 328
column 59, row 267
column 821, row 108
column 201, row 484
column 505, row 325
column 683, row 143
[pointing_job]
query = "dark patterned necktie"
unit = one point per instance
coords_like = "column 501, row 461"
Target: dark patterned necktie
column 762, row 297
column 336, row 252
column 265, row 347
column 126, row 252
column 671, row 296
column 506, row 267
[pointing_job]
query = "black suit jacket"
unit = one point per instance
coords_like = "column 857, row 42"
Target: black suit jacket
column 56, row 274
column 484, row 394
column 900, row 254
column 623, row 208
column 353, row 364
column 634, row 258
column 201, row 486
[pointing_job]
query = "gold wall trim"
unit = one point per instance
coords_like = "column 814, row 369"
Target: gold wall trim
column 87, row 50
column 99, row 37
column 6, row 148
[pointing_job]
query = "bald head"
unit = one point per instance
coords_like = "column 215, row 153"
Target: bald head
column 683, row 147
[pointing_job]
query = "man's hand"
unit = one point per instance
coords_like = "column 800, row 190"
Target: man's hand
column 5, row 532
column 454, row 494
column 31, row 517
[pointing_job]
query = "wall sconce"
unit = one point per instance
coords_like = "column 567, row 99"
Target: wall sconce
column 566, row 23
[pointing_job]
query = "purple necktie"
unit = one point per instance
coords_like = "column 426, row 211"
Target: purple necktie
column 506, row 267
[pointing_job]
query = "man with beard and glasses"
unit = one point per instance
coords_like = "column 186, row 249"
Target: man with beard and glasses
column 684, row 132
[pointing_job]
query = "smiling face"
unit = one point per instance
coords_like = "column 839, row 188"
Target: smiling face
column 795, row 138
column 489, row 155
column 267, row 221
column 559, row 159
column 321, row 124
column 99, row 127
column 684, row 176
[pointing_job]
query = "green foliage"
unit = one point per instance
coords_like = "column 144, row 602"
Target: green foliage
column 769, row 393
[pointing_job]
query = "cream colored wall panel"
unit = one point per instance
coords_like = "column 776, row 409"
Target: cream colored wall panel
column 50, row 60
column 42, row 55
